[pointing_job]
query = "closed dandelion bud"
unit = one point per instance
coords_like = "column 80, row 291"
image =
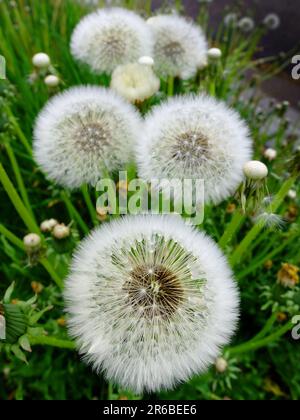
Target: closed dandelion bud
column 48, row 225
column 13, row 321
column 52, row 80
column 150, row 302
column 270, row 154
column 214, row 54
column 221, row 365
column 32, row 243
column 61, row 231
column 41, row 60
column 292, row 194
column 255, row 170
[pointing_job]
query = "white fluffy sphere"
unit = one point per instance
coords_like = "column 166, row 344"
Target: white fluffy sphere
column 51, row 80
column 214, row 53
column 83, row 131
column 150, row 302
column 180, row 46
column 195, row 137
column 111, row 37
column 256, row 170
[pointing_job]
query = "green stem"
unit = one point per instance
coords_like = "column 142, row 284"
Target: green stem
column 74, row 214
column 52, row 342
column 46, row 264
column 148, row 7
column 241, row 250
column 232, row 228
column 17, row 202
column 268, row 326
column 19, row 179
column 18, row 130
column 171, row 81
column 255, row 345
column 91, row 207
column 12, row 238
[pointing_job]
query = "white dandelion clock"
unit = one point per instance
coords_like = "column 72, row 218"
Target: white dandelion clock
column 135, row 82
column 198, row 138
column 272, row 21
column 180, row 46
column 109, row 38
column 82, row 132
column 151, row 301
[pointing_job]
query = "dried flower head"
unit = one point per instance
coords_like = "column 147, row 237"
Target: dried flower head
column 195, row 137
column 180, row 46
column 288, row 276
column 150, row 301
column 83, row 131
column 135, row 82
column 109, row 38
column 48, row 225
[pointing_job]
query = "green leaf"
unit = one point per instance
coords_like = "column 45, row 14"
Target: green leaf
column 24, row 343
column 19, row 353
column 8, row 293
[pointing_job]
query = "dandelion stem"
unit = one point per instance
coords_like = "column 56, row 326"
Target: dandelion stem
column 258, row 344
column 74, row 214
column 232, row 228
column 19, row 179
column 52, row 342
column 148, row 7
column 46, row 264
column 241, row 250
column 11, row 237
column 17, row 202
column 18, row 130
column 91, row 207
column 171, row 81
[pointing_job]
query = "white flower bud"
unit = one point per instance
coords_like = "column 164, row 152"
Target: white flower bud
column 32, row 242
column 221, row 365
column 61, row 231
column 41, row 60
column 292, row 194
column 48, row 225
column 214, row 53
column 255, row 170
column 52, row 80
column 270, row 154
column 146, row 61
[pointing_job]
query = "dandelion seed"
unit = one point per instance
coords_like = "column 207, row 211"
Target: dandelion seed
column 129, row 309
column 109, row 38
column 135, row 82
column 270, row 220
column 83, row 131
column 180, row 47
column 195, row 137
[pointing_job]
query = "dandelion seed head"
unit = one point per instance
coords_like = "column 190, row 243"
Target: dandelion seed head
column 135, row 82
column 195, row 137
column 272, row 21
column 41, row 60
column 109, row 38
column 255, row 170
column 180, row 47
column 246, row 24
column 131, row 311
column 51, row 80
column 83, row 131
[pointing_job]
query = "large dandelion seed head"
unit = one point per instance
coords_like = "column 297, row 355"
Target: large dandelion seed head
column 109, row 38
column 83, row 131
column 150, row 302
column 180, row 47
column 195, row 137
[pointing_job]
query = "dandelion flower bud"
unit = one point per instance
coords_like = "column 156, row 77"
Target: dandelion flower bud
column 82, row 132
column 221, row 365
column 150, row 302
column 48, row 225
column 180, row 47
column 61, row 231
column 135, row 82
column 52, row 80
column 272, row 21
column 246, row 24
column 32, row 242
column 197, row 138
column 41, row 60
column 146, row 61
column 270, row 154
column 292, row 194
column 109, row 38
column 255, row 170
column 214, row 54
